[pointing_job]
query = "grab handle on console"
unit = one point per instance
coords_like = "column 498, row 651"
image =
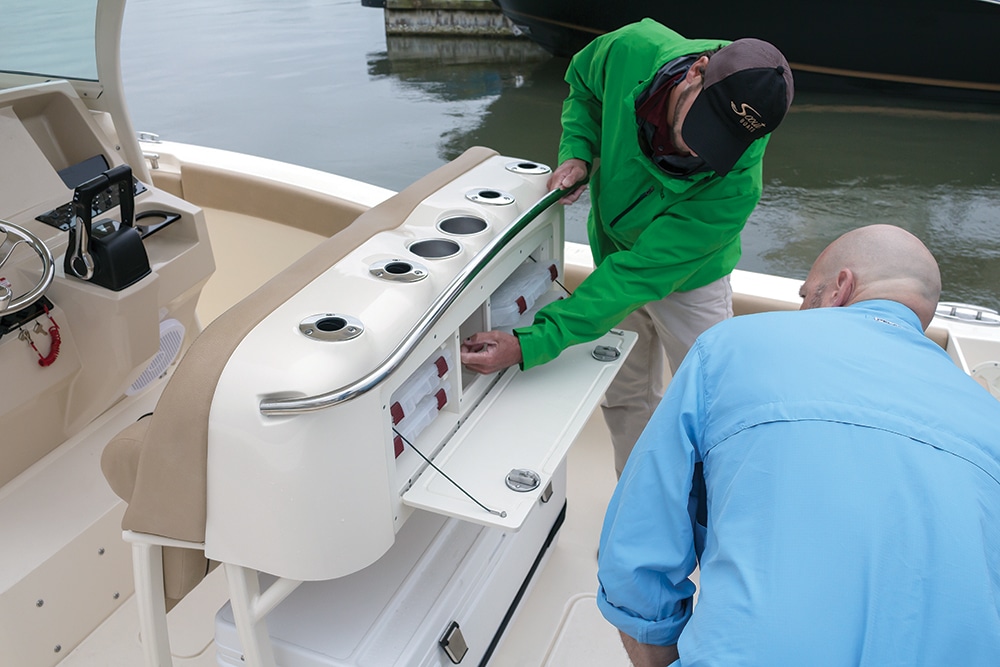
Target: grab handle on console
column 292, row 406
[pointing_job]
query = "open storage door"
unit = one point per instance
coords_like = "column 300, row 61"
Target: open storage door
column 524, row 425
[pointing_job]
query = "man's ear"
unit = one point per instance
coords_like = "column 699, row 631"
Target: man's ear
column 696, row 73
column 844, row 288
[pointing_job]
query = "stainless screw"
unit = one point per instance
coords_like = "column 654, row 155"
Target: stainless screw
column 100, row 552
column 40, row 602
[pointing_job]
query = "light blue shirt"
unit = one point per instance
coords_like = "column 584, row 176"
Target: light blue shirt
column 853, row 500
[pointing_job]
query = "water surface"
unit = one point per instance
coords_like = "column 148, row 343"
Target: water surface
column 318, row 83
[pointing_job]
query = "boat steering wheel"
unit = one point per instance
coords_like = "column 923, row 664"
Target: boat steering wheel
column 8, row 303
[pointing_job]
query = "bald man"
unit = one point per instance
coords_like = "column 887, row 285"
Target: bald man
column 834, row 475
column 875, row 262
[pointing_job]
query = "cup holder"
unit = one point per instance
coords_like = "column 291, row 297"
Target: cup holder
column 149, row 222
column 435, row 248
column 462, row 225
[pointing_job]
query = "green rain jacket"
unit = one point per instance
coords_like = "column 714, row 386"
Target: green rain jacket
column 650, row 233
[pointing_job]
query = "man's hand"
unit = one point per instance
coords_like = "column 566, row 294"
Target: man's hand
column 566, row 175
column 490, row 351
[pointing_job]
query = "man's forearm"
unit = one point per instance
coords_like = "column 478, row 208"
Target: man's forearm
column 648, row 655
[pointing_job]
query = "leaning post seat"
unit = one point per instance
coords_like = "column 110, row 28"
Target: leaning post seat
column 158, row 465
column 309, row 422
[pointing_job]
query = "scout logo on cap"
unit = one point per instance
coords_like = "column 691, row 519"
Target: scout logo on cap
column 745, row 93
column 749, row 117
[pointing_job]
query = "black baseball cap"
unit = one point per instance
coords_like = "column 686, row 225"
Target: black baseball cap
column 746, row 91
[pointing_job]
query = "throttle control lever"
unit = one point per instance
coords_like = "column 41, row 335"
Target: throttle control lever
column 115, row 259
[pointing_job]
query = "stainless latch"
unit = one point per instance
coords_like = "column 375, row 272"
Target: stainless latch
column 453, row 643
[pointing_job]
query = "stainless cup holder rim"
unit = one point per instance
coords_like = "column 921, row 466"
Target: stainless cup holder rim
column 490, row 196
column 399, row 270
column 331, row 327
column 528, row 167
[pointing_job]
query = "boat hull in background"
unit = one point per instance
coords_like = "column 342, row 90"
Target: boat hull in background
column 927, row 47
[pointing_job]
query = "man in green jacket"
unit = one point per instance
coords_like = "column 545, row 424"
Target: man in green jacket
column 671, row 132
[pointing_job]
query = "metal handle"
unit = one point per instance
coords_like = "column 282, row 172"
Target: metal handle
column 965, row 312
column 292, row 406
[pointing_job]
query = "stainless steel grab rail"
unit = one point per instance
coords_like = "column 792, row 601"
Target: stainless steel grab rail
column 292, row 406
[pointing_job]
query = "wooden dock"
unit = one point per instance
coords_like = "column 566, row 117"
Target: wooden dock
column 463, row 18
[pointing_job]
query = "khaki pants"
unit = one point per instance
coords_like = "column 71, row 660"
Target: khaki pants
column 667, row 329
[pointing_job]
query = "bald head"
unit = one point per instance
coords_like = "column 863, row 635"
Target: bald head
column 875, row 262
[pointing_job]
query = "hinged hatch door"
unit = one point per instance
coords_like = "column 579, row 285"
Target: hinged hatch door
column 525, row 424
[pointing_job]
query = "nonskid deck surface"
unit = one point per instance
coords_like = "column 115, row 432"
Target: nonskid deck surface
column 235, row 277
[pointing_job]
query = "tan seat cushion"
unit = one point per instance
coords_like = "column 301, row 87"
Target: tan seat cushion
column 120, row 458
column 182, row 568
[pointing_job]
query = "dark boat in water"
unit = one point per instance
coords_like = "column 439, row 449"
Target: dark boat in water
column 948, row 47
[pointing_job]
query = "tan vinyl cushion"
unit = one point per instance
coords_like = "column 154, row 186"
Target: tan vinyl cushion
column 120, row 458
column 168, row 497
column 182, row 568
